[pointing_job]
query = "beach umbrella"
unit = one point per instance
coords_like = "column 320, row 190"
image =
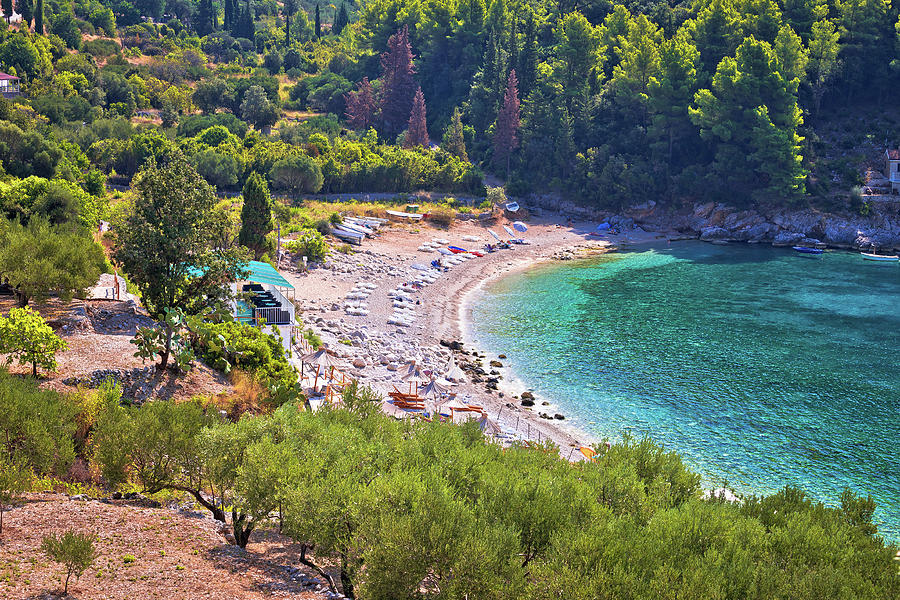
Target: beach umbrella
column 434, row 389
column 445, row 252
column 319, row 359
column 520, row 226
column 454, row 373
column 509, row 231
column 491, row 231
column 413, row 374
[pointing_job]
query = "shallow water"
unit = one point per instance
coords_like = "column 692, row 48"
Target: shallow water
column 760, row 366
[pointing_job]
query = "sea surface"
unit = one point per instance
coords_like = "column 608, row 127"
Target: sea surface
column 760, row 366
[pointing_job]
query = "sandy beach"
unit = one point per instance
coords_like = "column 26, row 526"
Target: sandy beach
column 373, row 347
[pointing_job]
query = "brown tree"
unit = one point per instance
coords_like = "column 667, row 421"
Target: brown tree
column 398, row 84
column 506, row 130
column 417, row 132
column 361, row 106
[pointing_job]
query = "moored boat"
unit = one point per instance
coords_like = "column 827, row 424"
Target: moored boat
column 880, row 257
column 807, row 250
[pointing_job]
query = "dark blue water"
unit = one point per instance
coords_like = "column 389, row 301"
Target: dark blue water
column 760, row 366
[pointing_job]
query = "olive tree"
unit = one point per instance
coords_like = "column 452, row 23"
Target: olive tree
column 24, row 335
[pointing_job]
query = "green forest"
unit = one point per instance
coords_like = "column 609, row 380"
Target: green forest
column 606, row 103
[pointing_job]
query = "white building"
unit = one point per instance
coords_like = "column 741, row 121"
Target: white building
column 892, row 169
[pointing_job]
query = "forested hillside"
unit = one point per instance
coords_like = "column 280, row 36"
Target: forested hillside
column 607, row 103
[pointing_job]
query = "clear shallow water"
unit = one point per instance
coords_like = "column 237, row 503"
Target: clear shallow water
column 760, row 366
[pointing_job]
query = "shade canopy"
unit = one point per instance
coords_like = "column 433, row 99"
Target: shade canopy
column 434, row 389
column 319, row 358
column 261, row 272
column 520, row 226
column 454, row 373
column 412, row 373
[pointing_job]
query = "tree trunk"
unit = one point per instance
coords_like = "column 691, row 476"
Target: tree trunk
column 218, row 513
column 241, row 531
column 22, row 298
column 305, row 561
column 164, row 358
column 66, row 586
column 346, row 583
column 34, row 369
column 1, row 519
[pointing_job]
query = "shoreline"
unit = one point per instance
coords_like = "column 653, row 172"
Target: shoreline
column 376, row 351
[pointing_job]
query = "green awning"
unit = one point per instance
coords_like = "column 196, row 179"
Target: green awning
column 261, row 272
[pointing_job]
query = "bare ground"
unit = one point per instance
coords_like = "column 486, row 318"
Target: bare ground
column 144, row 553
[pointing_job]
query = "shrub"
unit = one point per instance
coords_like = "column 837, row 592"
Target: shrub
column 74, row 550
column 310, row 243
column 442, row 216
column 232, row 345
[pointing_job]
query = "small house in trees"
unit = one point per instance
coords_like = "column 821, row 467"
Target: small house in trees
column 9, row 86
column 892, row 169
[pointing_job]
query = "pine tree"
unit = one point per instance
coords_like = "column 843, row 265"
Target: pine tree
column 454, row 141
column 512, row 46
column 318, row 22
column 361, row 106
column 417, row 132
column 506, row 131
column 39, row 17
column 256, row 215
column 398, row 84
column 228, row 17
column 528, row 58
column 341, row 21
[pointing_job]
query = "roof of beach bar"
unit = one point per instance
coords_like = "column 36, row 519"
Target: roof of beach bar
column 260, row 272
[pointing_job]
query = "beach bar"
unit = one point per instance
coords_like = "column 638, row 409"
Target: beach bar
column 9, row 85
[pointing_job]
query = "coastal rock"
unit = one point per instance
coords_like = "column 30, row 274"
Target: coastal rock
column 392, row 367
column 527, row 402
column 527, row 396
column 496, row 364
column 711, row 233
column 359, row 363
column 787, row 238
column 559, row 417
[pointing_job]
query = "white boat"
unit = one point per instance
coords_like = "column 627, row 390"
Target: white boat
column 512, row 207
column 404, row 215
column 880, row 257
column 354, row 237
column 357, row 228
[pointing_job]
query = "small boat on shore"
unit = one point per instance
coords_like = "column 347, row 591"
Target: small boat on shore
column 880, row 257
column 403, row 216
column 456, row 249
column 807, row 250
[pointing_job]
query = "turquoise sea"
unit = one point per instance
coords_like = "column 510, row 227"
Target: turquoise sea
column 760, row 366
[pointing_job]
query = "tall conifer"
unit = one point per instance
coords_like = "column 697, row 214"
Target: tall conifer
column 398, row 85
column 506, row 131
column 361, row 106
column 417, row 132
column 454, row 141
column 39, row 17
column 318, row 22
column 256, row 215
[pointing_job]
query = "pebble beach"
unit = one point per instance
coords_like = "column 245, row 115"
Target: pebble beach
column 374, row 319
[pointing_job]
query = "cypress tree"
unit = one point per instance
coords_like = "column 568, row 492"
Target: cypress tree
column 342, row 20
column 7, row 7
column 256, row 215
column 26, row 9
column 454, row 142
column 39, row 17
column 513, row 45
column 417, row 132
column 290, row 7
column 318, row 22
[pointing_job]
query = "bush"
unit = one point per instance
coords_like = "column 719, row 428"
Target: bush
column 24, row 335
column 442, row 216
column 232, row 345
column 310, row 243
column 272, row 62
